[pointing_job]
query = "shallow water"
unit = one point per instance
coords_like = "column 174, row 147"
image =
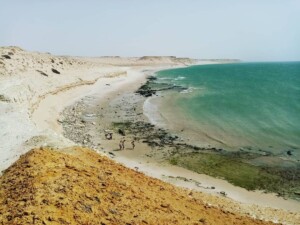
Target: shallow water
column 252, row 106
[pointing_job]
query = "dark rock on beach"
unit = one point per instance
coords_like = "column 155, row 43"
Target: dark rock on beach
column 145, row 91
column 55, row 71
column 121, row 132
column 152, row 78
column 42, row 73
column 3, row 98
column 151, row 87
column 6, row 56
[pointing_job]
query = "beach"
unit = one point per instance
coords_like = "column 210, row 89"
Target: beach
column 124, row 104
column 82, row 98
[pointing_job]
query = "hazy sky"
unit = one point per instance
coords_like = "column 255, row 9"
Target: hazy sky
column 246, row 29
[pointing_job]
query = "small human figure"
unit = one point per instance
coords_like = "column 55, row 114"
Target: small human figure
column 108, row 136
column 123, row 144
column 133, row 144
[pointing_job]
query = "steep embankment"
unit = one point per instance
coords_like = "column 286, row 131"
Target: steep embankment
column 78, row 186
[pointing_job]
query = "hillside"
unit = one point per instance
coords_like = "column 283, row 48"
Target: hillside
column 78, row 186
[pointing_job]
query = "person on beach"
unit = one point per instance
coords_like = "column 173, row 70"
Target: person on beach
column 108, row 134
column 133, row 144
column 120, row 145
column 123, row 144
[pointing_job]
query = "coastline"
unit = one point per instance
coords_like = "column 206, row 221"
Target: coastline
column 139, row 158
column 41, row 106
column 262, row 168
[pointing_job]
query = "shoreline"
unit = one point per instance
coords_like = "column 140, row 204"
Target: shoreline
column 140, row 161
column 270, row 171
column 202, row 132
column 51, row 94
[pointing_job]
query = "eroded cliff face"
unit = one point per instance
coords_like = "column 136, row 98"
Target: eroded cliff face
column 78, row 186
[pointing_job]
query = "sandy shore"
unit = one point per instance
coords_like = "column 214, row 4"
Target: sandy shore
column 35, row 87
column 119, row 100
column 31, row 118
column 115, row 107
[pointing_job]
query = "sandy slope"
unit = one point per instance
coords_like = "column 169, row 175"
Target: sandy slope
column 79, row 186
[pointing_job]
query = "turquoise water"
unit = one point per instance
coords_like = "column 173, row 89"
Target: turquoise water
column 242, row 104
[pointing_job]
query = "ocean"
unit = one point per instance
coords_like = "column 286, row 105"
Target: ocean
column 238, row 106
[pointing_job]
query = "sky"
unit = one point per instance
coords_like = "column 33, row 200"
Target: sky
column 250, row 30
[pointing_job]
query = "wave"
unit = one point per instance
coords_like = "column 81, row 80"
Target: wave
column 187, row 91
column 191, row 90
column 165, row 78
column 179, row 78
column 171, row 78
column 152, row 113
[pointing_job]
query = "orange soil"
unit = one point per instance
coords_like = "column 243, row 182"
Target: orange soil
column 78, row 186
